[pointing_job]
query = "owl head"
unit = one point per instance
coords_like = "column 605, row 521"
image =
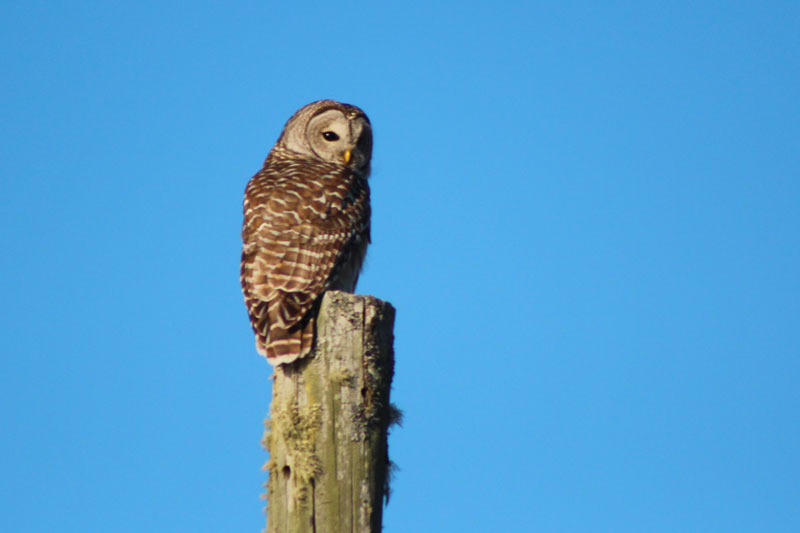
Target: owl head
column 331, row 131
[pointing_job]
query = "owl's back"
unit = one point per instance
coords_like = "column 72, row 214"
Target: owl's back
column 306, row 229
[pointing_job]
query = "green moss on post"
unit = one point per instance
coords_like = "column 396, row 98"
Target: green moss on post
column 330, row 414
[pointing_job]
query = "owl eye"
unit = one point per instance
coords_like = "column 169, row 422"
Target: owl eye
column 330, row 136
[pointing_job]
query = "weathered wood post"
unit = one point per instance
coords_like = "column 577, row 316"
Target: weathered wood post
column 330, row 413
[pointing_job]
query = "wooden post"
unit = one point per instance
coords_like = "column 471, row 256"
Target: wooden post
column 330, row 413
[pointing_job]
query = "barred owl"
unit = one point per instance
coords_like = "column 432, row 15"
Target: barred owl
column 306, row 224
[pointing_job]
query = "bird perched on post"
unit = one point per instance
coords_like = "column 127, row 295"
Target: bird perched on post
column 306, row 224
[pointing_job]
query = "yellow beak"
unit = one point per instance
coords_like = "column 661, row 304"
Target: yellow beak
column 347, row 156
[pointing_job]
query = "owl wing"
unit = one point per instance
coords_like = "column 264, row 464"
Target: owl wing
column 291, row 267
column 297, row 233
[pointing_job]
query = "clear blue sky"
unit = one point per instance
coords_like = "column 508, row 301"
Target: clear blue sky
column 586, row 213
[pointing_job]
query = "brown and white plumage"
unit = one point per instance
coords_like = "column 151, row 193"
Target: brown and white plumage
column 306, row 224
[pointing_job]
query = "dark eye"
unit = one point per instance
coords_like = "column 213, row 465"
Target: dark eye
column 330, row 136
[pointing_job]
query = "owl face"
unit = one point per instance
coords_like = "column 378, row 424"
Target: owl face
column 331, row 131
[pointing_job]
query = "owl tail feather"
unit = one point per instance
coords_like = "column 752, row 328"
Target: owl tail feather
column 286, row 345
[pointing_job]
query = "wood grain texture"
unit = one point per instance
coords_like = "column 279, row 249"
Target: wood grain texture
column 329, row 420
